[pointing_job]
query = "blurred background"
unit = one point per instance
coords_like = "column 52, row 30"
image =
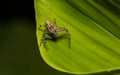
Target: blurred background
column 19, row 53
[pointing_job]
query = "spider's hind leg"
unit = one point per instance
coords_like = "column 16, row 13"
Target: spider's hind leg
column 68, row 34
column 45, row 45
column 43, row 40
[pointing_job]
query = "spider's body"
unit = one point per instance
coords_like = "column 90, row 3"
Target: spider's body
column 52, row 30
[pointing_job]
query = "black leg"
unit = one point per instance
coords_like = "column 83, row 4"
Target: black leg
column 40, row 26
column 54, row 21
column 45, row 45
column 43, row 40
column 68, row 34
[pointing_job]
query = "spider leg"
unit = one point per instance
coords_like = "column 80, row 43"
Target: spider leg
column 68, row 34
column 43, row 40
column 45, row 44
column 40, row 26
column 54, row 21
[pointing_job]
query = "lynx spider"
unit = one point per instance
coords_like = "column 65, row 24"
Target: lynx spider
column 52, row 30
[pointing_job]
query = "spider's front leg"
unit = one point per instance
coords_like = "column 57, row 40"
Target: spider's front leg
column 43, row 40
column 40, row 26
column 54, row 21
column 68, row 34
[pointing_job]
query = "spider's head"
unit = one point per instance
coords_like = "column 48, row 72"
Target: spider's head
column 48, row 23
column 51, row 27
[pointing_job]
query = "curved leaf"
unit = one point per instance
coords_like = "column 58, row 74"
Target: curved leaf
column 95, row 35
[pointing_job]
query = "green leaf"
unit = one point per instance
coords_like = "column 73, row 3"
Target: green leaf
column 94, row 26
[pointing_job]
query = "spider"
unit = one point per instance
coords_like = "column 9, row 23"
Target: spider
column 51, row 30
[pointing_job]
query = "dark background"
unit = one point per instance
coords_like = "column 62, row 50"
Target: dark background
column 19, row 53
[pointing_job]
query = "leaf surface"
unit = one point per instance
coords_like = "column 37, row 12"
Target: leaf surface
column 95, row 34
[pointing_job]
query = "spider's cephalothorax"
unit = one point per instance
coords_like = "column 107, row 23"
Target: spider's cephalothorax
column 52, row 30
